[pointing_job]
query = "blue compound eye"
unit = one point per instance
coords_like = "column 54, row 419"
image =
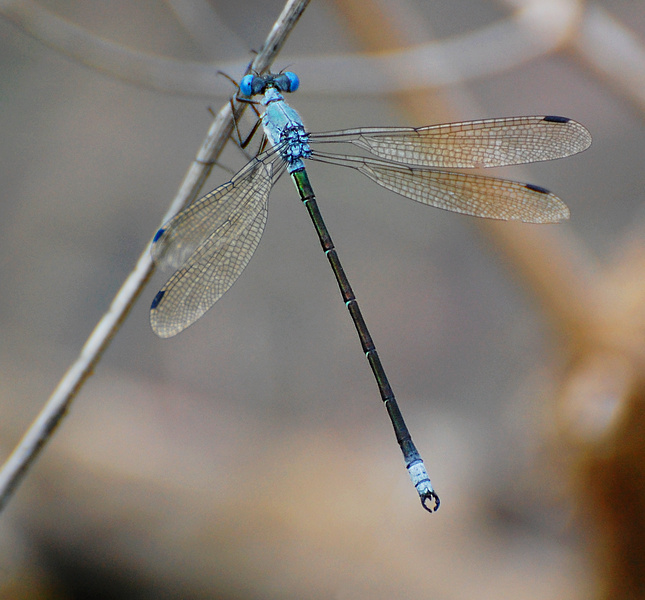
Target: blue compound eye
column 246, row 85
column 294, row 82
column 286, row 82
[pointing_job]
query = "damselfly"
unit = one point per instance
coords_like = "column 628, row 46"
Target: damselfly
column 211, row 241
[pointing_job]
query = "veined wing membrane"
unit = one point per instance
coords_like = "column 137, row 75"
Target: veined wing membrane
column 470, row 144
column 212, row 241
column 460, row 192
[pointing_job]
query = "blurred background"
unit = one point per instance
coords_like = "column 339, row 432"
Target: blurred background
column 250, row 457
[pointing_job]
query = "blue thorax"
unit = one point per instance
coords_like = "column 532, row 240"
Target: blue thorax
column 285, row 130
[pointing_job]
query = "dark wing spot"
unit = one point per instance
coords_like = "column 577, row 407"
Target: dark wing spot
column 554, row 119
column 157, row 299
column 536, row 188
column 158, row 235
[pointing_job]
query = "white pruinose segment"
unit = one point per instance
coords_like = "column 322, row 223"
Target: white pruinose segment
column 285, row 130
column 420, row 479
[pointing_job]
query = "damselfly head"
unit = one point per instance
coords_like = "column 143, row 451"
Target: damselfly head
column 252, row 85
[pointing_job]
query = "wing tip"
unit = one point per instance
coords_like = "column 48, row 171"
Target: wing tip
column 583, row 138
column 161, row 330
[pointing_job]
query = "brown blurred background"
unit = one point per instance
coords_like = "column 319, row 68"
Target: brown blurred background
column 250, row 457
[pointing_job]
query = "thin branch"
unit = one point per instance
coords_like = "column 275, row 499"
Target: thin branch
column 58, row 403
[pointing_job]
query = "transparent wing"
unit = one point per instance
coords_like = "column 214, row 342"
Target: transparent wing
column 211, row 241
column 487, row 143
column 460, row 192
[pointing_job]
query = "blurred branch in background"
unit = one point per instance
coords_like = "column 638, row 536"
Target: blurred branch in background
column 533, row 29
column 29, row 447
